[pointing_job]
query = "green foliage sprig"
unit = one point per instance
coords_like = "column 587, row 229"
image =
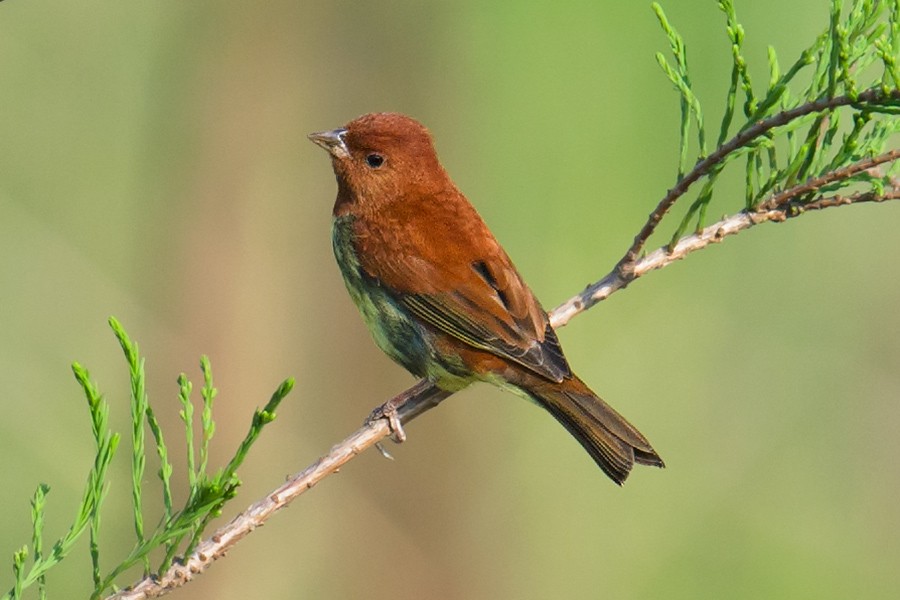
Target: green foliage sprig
column 178, row 531
column 792, row 134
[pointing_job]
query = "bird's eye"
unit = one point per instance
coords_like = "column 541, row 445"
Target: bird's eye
column 374, row 160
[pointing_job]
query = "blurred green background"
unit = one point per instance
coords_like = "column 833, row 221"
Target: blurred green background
column 154, row 166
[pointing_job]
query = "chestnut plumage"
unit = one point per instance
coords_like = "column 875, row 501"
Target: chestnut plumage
column 439, row 293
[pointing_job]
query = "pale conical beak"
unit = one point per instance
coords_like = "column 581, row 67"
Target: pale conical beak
column 332, row 141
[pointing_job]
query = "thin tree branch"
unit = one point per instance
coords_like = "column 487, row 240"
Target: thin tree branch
column 744, row 137
column 424, row 395
column 816, row 183
column 712, row 234
column 224, row 538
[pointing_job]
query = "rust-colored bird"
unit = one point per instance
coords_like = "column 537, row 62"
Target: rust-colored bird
column 440, row 295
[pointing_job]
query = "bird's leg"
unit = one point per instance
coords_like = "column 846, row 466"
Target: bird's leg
column 390, row 411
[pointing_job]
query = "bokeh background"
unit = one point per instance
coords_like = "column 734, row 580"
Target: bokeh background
column 154, row 166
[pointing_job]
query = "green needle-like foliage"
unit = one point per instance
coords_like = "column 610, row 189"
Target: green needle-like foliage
column 37, row 527
column 791, row 132
column 139, row 406
column 88, row 510
column 178, row 530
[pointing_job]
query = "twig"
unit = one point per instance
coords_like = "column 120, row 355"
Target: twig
column 714, row 233
column 421, row 396
column 223, row 539
column 704, row 167
column 424, row 395
column 817, row 183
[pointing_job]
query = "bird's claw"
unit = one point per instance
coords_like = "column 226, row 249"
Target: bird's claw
column 388, row 411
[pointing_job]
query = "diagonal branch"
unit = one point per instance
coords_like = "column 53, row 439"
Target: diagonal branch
column 424, row 395
column 712, row 234
column 747, row 135
column 817, row 183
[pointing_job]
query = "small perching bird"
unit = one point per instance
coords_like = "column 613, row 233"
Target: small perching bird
column 440, row 295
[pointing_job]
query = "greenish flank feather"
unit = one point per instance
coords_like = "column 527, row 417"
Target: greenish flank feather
column 394, row 330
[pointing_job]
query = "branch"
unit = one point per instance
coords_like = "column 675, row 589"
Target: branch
column 424, row 395
column 816, row 183
column 706, row 165
column 712, row 234
column 418, row 399
column 223, row 539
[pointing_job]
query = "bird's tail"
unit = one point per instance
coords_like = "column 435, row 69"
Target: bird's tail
column 614, row 443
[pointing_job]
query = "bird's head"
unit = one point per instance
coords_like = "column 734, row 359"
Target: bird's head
column 381, row 157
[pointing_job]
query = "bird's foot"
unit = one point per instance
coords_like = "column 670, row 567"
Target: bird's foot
column 388, row 411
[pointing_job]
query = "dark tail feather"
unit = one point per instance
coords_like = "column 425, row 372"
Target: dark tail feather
column 612, row 441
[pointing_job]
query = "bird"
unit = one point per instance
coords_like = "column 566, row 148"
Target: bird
column 440, row 295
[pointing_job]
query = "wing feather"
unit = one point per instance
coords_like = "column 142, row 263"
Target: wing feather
column 449, row 271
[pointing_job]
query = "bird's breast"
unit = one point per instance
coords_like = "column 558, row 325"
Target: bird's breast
column 396, row 332
column 382, row 316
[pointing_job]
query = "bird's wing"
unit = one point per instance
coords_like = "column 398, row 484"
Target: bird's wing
column 465, row 285
column 461, row 314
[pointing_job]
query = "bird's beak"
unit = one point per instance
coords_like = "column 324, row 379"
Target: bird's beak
column 332, row 141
